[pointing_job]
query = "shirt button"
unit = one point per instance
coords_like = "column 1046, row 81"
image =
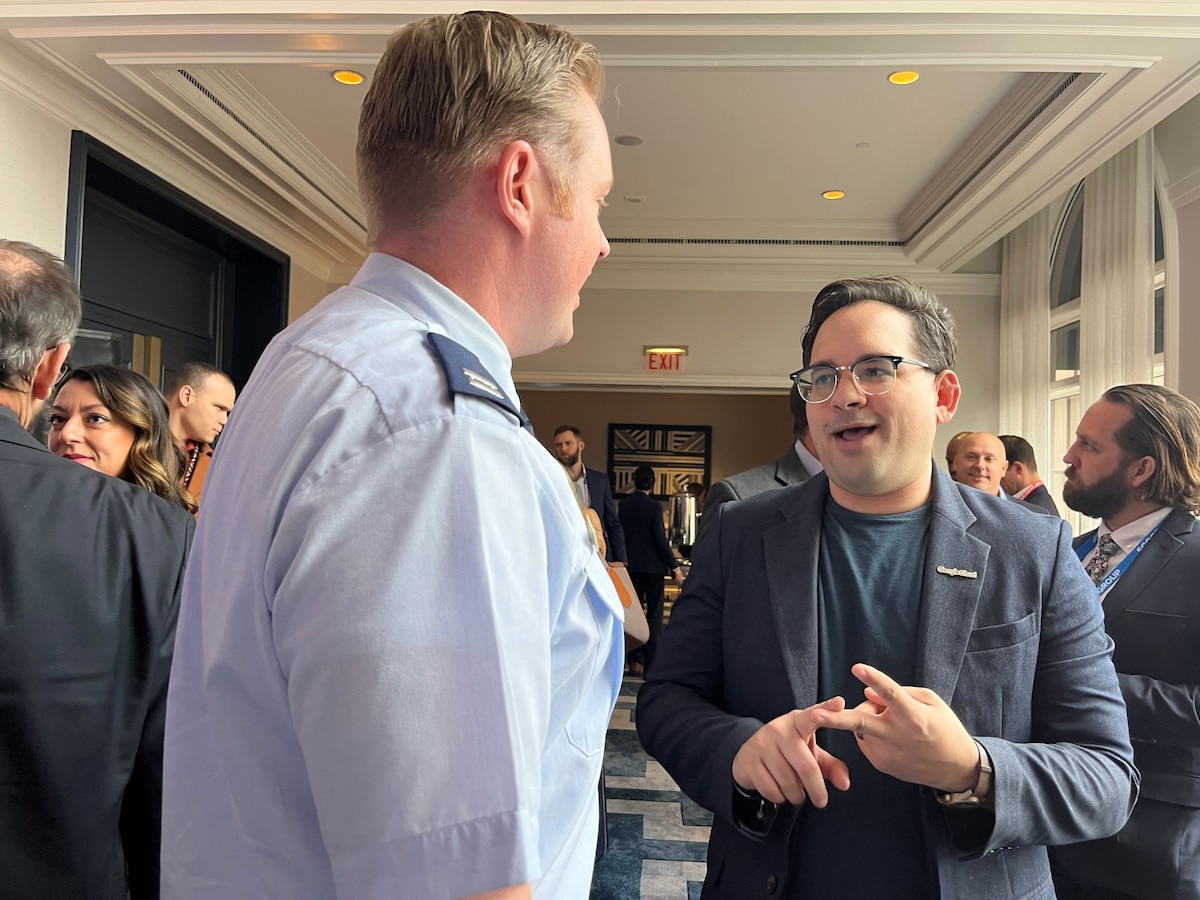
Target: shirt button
column 771, row 884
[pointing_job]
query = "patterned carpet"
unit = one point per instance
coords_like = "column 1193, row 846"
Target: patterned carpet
column 657, row 837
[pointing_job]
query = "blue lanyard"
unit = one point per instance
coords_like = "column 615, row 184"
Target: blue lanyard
column 1111, row 578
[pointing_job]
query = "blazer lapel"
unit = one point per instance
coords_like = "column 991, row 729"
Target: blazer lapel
column 951, row 594
column 1149, row 563
column 789, row 470
column 791, row 551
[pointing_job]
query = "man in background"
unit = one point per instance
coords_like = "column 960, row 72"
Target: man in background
column 593, row 489
column 952, row 450
column 1022, row 480
column 980, row 463
column 399, row 650
column 200, row 398
column 650, row 559
column 90, row 587
column 797, row 465
column 1135, row 465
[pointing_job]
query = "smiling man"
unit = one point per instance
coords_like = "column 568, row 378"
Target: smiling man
column 934, row 655
column 398, row 650
column 980, row 463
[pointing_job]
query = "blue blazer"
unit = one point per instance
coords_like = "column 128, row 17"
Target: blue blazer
column 601, row 496
column 1019, row 652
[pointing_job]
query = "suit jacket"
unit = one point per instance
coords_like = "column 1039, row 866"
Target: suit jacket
column 786, row 470
column 1019, row 652
column 1153, row 615
column 89, row 588
column 645, row 537
column 601, row 500
column 1040, row 496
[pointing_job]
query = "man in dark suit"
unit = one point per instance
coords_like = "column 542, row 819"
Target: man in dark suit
column 592, row 487
column 650, row 558
column 981, row 463
column 991, row 723
column 1135, row 465
column 90, row 585
column 797, row 465
column 1022, row 480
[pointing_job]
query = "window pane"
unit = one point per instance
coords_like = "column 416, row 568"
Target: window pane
column 1159, row 316
column 1064, row 352
column 1066, row 272
column 1160, row 252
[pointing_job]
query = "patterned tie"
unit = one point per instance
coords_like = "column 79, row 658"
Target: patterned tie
column 1097, row 567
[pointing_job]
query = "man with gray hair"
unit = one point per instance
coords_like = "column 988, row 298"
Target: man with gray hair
column 398, row 650
column 90, row 584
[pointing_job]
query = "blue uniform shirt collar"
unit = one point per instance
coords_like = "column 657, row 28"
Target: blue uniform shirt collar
column 441, row 309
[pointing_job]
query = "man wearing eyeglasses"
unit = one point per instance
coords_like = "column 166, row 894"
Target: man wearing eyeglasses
column 930, row 652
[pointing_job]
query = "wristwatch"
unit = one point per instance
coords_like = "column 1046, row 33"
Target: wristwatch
column 978, row 796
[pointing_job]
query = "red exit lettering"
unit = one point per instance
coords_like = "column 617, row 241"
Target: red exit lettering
column 664, row 362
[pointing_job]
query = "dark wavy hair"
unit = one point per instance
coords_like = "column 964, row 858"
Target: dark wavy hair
column 1165, row 426
column 932, row 324
column 156, row 462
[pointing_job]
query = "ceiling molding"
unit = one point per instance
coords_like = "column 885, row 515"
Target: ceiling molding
column 271, row 140
column 730, row 228
column 171, row 159
column 1184, row 190
column 648, row 383
column 775, row 275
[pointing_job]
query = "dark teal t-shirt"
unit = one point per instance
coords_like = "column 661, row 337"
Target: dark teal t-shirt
column 868, row 842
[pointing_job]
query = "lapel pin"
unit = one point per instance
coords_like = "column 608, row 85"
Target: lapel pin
column 961, row 573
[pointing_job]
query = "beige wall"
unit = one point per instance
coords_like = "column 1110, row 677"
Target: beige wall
column 35, row 153
column 746, row 430
column 305, row 291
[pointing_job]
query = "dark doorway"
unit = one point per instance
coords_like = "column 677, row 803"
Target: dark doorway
column 165, row 280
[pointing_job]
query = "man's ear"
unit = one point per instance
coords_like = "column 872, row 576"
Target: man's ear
column 47, row 369
column 581, row 444
column 186, row 395
column 1143, row 470
column 948, row 393
column 517, row 177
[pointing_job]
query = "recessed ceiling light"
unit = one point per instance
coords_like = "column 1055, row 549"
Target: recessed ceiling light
column 346, row 76
column 903, row 77
column 628, row 140
column 834, row 195
column 675, row 350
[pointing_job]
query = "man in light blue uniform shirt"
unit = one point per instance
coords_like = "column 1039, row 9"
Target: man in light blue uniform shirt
column 397, row 650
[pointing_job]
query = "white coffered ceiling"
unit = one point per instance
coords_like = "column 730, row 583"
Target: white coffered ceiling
column 747, row 110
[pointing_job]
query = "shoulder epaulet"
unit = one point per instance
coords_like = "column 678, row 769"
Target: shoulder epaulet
column 466, row 375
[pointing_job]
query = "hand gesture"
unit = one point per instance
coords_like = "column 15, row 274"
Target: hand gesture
column 907, row 732
column 783, row 763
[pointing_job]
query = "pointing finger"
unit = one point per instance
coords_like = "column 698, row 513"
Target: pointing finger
column 887, row 692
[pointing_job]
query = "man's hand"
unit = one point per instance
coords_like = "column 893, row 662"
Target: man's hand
column 678, row 575
column 907, row 732
column 783, row 763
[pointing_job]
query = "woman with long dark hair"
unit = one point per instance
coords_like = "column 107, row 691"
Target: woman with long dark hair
column 115, row 421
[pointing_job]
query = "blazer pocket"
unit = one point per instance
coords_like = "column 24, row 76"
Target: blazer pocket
column 993, row 637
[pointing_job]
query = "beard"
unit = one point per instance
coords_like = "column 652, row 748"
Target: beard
column 1100, row 500
column 568, row 459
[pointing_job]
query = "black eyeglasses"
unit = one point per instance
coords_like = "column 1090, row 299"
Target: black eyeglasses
column 63, row 371
column 873, row 376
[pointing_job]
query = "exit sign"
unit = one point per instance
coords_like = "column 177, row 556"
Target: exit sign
column 658, row 361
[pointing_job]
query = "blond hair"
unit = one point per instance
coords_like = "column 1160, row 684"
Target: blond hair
column 449, row 91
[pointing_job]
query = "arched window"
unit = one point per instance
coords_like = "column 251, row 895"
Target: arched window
column 1066, row 278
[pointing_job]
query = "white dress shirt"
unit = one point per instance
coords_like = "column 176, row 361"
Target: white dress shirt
column 1127, row 537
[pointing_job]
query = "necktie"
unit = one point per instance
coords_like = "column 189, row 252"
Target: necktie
column 1097, row 567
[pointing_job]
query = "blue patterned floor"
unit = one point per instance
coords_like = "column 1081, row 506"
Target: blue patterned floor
column 657, row 837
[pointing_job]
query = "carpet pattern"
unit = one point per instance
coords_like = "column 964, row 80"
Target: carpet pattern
column 657, row 836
